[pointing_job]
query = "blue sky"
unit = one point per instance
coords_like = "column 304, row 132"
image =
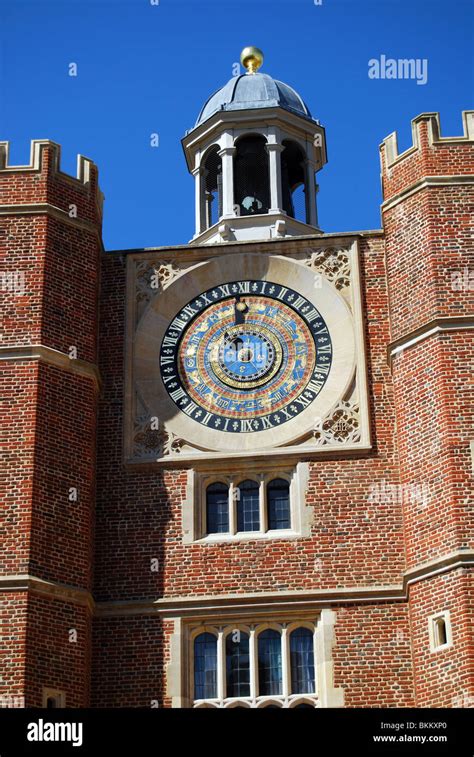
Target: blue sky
column 144, row 69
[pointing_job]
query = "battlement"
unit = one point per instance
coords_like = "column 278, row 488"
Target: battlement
column 389, row 145
column 45, row 160
column 430, row 155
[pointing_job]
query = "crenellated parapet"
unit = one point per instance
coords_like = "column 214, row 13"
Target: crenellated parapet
column 51, row 223
column 41, row 182
column 432, row 159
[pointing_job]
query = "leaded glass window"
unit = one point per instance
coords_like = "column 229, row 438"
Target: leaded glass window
column 302, row 661
column 205, row 666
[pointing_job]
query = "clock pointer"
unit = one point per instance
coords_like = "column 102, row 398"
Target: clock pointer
column 240, row 308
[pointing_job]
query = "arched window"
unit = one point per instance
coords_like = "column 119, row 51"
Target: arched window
column 205, row 666
column 251, row 176
column 302, row 661
column 293, row 181
column 278, row 504
column 248, row 506
column 213, row 186
column 237, row 664
column 269, row 663
column 217, row 508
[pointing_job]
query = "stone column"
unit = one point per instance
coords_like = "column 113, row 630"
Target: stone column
column 227, row 156
column 274, row 158
column 311, row 213
column 198, row 174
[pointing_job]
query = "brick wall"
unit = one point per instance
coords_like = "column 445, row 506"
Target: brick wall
column 130, row 659
column 50, row 242
column 428, row 250
column 354, row 541
column 372, row 655
column 444, row 678
column 422, row 422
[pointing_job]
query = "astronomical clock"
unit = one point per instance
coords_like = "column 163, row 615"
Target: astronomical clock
column 245, row 354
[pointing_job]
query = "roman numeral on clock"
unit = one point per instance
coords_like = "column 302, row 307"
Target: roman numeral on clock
column 190, row 408
column 178, row 324
column 315, row 386
column 312, row 315
column 177, row 394
column 244, row 287
column 196, row 393
column 323, row 368
column 166, row 360
column 299, row 302
column 189, row 311
column 246, row 425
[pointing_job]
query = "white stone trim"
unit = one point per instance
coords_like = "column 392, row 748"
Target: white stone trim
column 57, row 694
column 175, row 681
column 247, row 603
column 318, row 625
column 445, row 617
column 295, row 437
column 83, row 171
column 46, row 208
column 50, row 356
column 227, row 156
column 245, row 121
column 36, row 147
column 224, row 129
column 390, row 145
column 437, row 326
column 325, row 642
column 428, row 181
column 194, row 506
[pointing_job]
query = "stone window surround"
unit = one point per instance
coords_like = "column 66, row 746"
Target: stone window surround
column 286, row 699
column 435, row 646
column 194, row 507
column 180, row 678
column 57, row 694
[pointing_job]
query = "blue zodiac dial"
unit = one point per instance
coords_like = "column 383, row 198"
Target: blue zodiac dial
column 246, row 356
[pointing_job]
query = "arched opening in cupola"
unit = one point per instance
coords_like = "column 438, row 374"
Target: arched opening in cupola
column 251, row 176
column 293, row 181
column 212, row 163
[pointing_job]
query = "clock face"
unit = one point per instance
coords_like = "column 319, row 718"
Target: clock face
column 246, row 356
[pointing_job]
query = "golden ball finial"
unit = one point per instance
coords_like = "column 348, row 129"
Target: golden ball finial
column 251, row 59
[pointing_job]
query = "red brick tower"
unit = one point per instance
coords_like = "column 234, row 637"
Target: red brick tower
column 50, row 243
column 378, row 561
column 428, row 216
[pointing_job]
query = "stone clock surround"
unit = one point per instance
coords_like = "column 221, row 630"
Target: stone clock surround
column 324, row 271
column 242, row 267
